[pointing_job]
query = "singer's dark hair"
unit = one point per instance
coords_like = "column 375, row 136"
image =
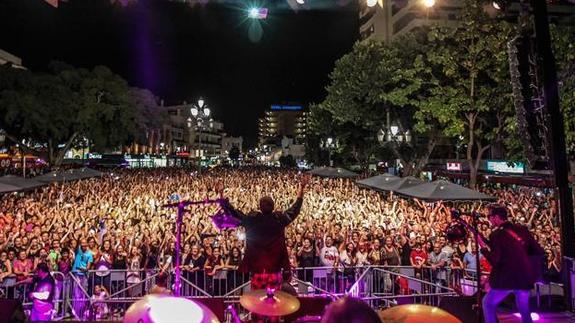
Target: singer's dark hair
column 350, row 310
column 43, row 267
column 498, row 210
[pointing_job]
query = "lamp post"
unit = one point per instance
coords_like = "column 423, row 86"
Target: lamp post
column 458, row 145
column 393, row 133
column 201, row 114
column 329, row 144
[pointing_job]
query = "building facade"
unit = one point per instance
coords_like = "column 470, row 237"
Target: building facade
column 7, row 58
column 229, row 142
column 283, row 121
column 393, row 18
column 185, row 135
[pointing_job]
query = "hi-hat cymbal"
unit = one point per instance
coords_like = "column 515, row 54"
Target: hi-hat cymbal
column 277, row 304
column 168, row 309
column 416, row 313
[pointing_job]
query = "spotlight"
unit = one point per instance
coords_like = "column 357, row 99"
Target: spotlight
column 371, row 3
column 300, row 1
column 429, row 3
column 496, row 5
column 258, row 13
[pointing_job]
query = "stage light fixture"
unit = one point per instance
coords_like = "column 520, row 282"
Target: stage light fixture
column 371, row 3
column 258, row 13
column 300, row 1
column 429, row 3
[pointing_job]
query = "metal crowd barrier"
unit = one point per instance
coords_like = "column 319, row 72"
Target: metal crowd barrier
column 101, row 295
column 10, row 290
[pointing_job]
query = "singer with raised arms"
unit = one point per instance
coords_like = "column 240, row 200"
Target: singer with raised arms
column 266, row 253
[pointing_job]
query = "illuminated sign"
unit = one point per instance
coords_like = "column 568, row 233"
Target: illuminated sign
column 287, row 107
column 454, row 166
column 505, row 167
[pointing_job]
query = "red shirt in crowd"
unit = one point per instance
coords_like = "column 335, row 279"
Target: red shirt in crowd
column 418, row 257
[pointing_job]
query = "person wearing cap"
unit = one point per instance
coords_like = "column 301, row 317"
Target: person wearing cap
column 510, row 251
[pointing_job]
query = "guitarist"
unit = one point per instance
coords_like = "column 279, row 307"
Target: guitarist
column 509, row 250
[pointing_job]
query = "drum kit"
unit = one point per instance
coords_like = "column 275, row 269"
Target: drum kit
column 416, row 313
column 269, row 303
column 160, row 308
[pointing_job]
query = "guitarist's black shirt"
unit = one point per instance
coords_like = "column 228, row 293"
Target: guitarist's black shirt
column 511, row 249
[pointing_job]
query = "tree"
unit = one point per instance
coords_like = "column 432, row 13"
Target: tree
column 54, row 110
column 473, row 97
column 564, row 51
column 374, row 83
column 149, row 116
column 287, row 161
column 234, row 153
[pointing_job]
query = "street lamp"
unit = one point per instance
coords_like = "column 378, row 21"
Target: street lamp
column 329, row 144
column 393, row 134
column 394, row 130
column 201, row 113
column 458, row 145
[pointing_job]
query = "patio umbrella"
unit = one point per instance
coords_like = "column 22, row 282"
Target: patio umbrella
column 443, row 190
column 21, row 182
column 69, row 175
column 7, row 188
column 407, row 182
column 332, row 172
column 383, row 182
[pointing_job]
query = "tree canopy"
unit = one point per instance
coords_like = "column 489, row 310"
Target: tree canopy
column 53, row 110
column 372, row 87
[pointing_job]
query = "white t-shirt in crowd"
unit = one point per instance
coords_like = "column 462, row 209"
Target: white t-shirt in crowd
column 328, row 255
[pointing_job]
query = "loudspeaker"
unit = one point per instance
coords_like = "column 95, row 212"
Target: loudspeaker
column 309, row 306
column 463, row 307
column 11, row 311
column 216, row 304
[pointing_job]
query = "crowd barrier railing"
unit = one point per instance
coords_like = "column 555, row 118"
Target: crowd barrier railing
column 11, row 288
column 98, row 295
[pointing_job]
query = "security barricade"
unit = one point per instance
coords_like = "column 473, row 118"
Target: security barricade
column 11, row 289
column 105, row 295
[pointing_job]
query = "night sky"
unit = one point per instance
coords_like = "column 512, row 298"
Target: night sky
column 180, row 51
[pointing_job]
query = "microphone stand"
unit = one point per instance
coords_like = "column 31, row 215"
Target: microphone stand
column 478, row 295
column 181, row 206
column 475, row 227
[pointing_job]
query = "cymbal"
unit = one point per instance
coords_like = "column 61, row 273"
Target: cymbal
column 416, row 313
column 279, row 304
column 160, row 308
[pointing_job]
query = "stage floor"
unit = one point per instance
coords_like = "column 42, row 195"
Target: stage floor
column 562, row 317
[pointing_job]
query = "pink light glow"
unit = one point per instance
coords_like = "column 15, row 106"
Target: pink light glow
column 173, row 309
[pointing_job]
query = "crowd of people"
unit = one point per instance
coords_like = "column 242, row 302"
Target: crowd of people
column 118, row 222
